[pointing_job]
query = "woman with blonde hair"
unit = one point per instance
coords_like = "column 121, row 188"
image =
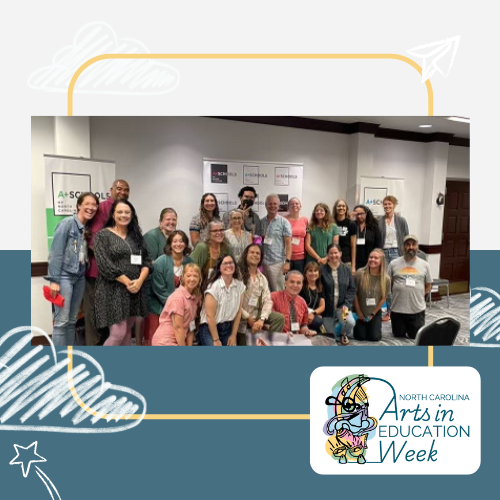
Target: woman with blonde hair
column 372, row 287
column 321, row 233
column 237, row 237
column 177, row 320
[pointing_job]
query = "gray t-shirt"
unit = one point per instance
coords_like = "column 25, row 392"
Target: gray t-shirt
column 372, row 293
column 408, row 284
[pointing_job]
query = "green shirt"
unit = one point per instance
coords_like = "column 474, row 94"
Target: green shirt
column 155, row 241
column 320, row 239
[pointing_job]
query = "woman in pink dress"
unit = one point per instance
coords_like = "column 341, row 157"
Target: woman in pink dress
column 177, row 320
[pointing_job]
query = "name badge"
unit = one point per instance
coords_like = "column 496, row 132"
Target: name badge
column 371, row 301
column 268, row 241
column 253, row 301
column 295, row 327
column 410, row 282
column 360, row 241
column 295, row 241
column 192, row 326
column 136, row 259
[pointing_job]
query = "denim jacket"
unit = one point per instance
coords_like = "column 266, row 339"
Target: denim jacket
column 65, row 250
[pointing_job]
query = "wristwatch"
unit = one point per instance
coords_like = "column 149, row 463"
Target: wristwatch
column 287, row 261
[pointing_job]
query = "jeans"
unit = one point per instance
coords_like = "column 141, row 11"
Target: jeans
column 71, row 288
column 371, row 331
column 223, row 329
column 347, row 327
column 390, row 255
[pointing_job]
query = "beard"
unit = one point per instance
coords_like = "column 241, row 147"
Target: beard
column 409, row 254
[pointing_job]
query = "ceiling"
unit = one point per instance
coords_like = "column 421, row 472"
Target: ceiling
column 411, row 123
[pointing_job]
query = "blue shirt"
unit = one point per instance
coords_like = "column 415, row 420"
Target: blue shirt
column 276, row 231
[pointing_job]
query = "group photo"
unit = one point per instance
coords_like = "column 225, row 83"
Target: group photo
column 250, row 231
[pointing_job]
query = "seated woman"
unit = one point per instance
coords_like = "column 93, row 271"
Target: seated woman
column 237, row 237
column 257, row 304
column 177, row 320
column 372, row 287
column 206, row 253
column 208, row 212
column 221, row 311
column 338, row 286
column 166, row 278
column 312, row 293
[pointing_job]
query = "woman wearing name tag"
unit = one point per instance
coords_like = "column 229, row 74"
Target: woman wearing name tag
column 321, row 232
column 237, row 237
column 367, row 235
column 299, row 230
column 312, row 293
column 67, row 265
column 168, row 269
column 177, row 320
column 124, row 264
column 339, row 289
column 372, row 287
column 221, row 311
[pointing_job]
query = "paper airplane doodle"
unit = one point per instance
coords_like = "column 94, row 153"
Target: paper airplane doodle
column 22, row 457
column 433, row 55
column 485, row 317
column 34, row 384
column 111, row 76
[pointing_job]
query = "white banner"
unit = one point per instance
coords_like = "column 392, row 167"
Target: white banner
column 67, row 178
column 374, row 189
column 225, row 179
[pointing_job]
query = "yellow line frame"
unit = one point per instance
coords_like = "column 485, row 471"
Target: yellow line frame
column 103, row 57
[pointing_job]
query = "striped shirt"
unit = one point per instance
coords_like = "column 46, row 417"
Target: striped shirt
column 275, row 232
column 281, row 303
column 228, row 300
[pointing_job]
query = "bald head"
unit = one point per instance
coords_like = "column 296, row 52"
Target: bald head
column 120, row 190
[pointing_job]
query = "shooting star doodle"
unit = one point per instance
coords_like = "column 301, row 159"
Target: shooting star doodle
column 26, row 469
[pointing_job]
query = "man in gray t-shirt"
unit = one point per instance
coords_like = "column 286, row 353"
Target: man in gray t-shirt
column 411, row 281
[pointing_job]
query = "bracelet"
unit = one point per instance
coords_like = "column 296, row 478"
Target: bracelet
column 216, row 340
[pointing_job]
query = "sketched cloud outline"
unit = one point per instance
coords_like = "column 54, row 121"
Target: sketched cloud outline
column 29, row 388
column 485, row 317
column 111, row 76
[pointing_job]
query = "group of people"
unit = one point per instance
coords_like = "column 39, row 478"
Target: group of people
column 236, row 276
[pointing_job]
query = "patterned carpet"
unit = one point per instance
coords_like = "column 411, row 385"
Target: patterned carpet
column 459, row 310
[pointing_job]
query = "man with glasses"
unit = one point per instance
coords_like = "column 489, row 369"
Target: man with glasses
column 247, row 196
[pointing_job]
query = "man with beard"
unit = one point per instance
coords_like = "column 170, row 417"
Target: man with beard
column 411, row 282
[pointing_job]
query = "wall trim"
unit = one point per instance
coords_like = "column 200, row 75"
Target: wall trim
column 349, row 128
column 431, row 249
column 39, row 269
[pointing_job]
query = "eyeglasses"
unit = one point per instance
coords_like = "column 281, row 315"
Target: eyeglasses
column 227, row 264
column 217, row 230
